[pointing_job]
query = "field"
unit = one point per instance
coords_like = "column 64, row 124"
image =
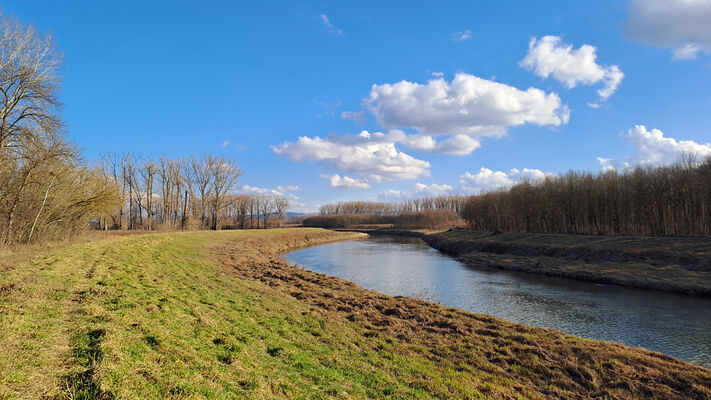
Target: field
column 220, row 315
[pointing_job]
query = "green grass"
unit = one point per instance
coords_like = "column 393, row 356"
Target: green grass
column 215, row 315
column 150, row 317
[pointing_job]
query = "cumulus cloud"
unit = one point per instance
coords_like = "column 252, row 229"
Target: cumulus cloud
column 486, row 179
column 458, row 145
column 346, row 182
column 329, row 25
column 550, row 57
column 258, row 190
column 433, row 189
column 608, row 164
column 418, row 190
column 392, row 195
column 682, row 25
column 653, row 149
column 373, row 157
column 469, row 105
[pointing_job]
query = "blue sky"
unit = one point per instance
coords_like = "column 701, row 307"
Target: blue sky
column 249, row 79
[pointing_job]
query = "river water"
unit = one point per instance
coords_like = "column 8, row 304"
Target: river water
column 669, row 323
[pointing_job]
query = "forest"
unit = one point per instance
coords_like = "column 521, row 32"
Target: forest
column 673, row 200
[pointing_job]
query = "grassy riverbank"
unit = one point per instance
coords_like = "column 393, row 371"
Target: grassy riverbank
column 220, row 315
column 675, row 264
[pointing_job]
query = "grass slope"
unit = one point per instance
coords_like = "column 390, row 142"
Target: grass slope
column 219, row 315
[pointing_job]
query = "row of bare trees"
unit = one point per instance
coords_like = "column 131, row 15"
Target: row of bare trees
column 190, row 193
column 444, row 203
column 45, row 190
column 169, row 193
column 426, row 212
column 250, row 211
column 668, row 200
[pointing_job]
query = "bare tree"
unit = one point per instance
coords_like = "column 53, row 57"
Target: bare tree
column 200, row 173
column 225, row 174
column 29, row 81
column 281, row 205
column 265, row 202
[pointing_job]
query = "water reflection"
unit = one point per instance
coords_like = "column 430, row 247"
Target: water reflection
column 673, row 324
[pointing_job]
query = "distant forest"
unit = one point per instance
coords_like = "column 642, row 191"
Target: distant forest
column 662, row 201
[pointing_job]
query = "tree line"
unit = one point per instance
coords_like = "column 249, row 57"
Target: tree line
column 447, row 202
column 189, row 193
column 661, row 201
column 426, row 212
column 48, row 191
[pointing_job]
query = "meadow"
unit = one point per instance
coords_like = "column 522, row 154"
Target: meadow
column 221, row 315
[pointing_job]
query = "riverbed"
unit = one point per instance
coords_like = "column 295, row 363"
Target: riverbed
column 673, row 324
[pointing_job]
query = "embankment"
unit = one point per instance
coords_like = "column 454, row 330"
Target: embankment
column 674, row 264
column 221, row 315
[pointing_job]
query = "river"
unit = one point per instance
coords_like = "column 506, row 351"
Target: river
column 673, row 324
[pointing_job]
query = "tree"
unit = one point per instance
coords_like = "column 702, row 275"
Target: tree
column 281, row 205
column 265, row 202
column 29, row 82
column 200, row 173
column 225, row 174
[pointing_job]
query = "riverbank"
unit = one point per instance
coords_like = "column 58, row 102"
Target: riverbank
column 673, row 264
column 221, row 315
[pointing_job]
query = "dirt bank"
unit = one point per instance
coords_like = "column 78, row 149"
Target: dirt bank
column 681, row 265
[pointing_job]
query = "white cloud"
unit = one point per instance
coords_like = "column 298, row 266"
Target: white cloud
column 288, row 188
column 392, row 195
column 433, row 189
column 608, row 164
column 653, row 149
column 458, row 145
column 463, row 35
column 329, row 25
column 257, row 190
column 415, row 142
column 469, row 105
column 225, row 143
column 418, row 190
column 487, row 179
column 292, row 196
column 550, row 57
column 682, row 25
column 373, row 157
column 346, row 182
